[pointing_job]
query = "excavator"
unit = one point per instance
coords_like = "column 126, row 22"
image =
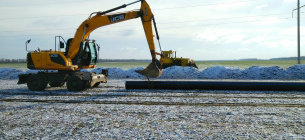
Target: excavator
column 58, row 67
column 169, row 60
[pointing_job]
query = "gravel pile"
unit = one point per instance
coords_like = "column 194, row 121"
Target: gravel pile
column 296, row 72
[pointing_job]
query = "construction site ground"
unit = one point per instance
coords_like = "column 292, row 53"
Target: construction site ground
column 112, row 112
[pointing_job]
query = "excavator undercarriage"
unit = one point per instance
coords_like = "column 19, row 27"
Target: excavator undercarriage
column 75, row 80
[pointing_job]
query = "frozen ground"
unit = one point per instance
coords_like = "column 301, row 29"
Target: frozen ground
column 111, row 112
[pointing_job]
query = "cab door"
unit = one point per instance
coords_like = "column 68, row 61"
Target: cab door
column 89, row 54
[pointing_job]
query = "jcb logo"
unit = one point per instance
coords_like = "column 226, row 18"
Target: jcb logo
column 53, row 55
column 115, row 18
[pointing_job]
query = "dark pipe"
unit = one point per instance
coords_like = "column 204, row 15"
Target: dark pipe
column 114, row 9
column 26, row 44
column 117, row 8
column 218, row 85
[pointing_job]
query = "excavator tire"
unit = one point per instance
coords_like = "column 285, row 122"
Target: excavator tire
column 56, row 84
column 36, row 83
column 75, row 83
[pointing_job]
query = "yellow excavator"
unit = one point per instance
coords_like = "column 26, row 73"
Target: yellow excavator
column 80, row 53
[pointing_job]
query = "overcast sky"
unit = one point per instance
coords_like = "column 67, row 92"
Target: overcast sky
column 197, row 29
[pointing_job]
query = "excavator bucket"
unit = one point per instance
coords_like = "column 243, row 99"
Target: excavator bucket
column 153, row 70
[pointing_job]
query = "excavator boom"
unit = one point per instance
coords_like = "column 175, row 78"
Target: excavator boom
column 95, row 22
column 101, row 19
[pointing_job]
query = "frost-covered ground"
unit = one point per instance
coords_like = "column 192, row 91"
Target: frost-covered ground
column 112, row 112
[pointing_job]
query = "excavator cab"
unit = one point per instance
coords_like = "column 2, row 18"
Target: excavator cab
column 89, row 54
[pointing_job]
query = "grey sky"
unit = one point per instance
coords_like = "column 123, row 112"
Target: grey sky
column 198, row 29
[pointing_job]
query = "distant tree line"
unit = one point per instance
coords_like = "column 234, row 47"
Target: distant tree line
column 123, row 60
column 248, row 59
column 3, row 60
column 288, row 58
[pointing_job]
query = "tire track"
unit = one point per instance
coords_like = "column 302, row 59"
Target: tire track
column 152, row 103
column 152, row 96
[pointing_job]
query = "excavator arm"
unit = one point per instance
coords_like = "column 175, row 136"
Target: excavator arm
column 93, row 23
column 101, row 19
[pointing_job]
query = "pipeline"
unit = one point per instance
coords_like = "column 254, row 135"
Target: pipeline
column 218, row 85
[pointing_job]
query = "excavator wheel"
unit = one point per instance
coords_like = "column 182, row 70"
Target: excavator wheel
column 56, row 84
column 75, row 83
column 36, row 83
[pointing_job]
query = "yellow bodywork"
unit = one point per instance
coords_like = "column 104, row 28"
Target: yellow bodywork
column 43, row 59
column 171, row 60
